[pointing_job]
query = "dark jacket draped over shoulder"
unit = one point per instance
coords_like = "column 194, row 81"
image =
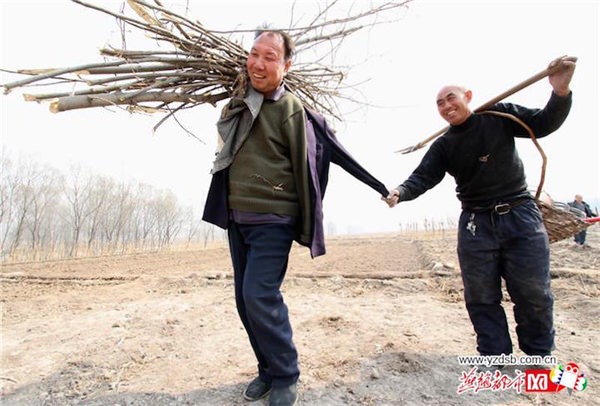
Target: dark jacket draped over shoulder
column 323, row 148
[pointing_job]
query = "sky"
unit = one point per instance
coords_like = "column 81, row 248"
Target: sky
column 487, row 46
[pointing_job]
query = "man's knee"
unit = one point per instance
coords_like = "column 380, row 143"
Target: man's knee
column 256, row 299
column 481, row 287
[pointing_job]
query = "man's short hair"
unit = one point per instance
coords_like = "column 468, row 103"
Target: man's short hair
column 289, row 47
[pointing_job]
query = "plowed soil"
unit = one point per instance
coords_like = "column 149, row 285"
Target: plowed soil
column 378, row 320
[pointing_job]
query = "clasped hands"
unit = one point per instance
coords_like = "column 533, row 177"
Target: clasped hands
column 392, row 198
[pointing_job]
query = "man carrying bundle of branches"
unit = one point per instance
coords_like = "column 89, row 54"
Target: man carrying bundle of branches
column 501, row 233
column 270, row 175
column 268, row 181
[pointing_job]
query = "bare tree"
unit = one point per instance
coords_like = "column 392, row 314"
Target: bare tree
column 9, row 182
column 208, row 232
column 22, row 203
column 194, row 224
column 169, row 218
column 28, row 195
column 116, row 216
column 100, row 191
column 46, row 187
column 44, row 214
column 145, row 220
column 126, row 206
column 79, row 195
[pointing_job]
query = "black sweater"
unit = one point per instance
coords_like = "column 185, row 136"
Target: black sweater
column 481, row 156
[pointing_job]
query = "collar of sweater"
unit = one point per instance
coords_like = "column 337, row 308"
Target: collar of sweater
column 254, row 98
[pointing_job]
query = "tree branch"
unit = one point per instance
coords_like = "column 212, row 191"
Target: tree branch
column 202, row 65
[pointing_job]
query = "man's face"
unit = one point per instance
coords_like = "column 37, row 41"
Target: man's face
column 266, row 63
column 453, row 104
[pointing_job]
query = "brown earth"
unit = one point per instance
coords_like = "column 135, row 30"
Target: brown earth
column 379, row 320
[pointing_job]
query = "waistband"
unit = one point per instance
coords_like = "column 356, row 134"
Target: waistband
column 498, row 207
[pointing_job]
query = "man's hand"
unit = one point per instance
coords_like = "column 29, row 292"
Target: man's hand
column 392, row 198
column 561, row 79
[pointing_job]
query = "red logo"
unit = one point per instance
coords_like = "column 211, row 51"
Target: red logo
column 556, row 379
column 538, row 380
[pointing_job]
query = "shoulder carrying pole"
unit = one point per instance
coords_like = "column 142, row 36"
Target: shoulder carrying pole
column 527, row 82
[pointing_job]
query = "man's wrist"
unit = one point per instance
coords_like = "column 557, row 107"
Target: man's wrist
column 562, row 92
column 400, row 192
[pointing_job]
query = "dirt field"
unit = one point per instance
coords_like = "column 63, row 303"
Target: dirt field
column 379, row 320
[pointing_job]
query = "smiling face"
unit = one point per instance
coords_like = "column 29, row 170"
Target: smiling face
column 266, row 62
column 453, row 104
column 572, row 368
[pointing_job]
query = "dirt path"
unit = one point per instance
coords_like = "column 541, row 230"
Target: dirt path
column 379, row 320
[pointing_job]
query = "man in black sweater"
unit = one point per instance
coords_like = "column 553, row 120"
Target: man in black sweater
column 501, row 232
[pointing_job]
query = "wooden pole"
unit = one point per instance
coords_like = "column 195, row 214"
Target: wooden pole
column 520, row 86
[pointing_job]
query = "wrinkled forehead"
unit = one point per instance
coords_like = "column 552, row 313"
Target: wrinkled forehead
column 450, row 90
column 271, row 40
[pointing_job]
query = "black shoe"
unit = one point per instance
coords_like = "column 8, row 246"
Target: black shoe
column 283, row 396
column 257, row 389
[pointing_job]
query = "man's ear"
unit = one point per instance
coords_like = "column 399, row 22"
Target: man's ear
column 287, row 65
column 468, row 95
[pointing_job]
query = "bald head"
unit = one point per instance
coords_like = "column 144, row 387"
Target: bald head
column 453, row 104
column 456, row 89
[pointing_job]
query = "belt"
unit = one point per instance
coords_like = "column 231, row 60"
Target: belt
column 498, row 208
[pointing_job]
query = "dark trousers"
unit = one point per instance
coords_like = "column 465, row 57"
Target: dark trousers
column 260, row 257
column 580, row 237
column 512, row 246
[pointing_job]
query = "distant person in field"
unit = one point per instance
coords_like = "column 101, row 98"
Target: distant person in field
column 501, row 234
column 268, row 182
column 579, row 204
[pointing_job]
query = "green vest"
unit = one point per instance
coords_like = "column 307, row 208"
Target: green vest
column 269, row 173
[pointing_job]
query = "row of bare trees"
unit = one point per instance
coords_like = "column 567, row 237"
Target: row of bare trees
column 430, row 225
column 45, row 214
